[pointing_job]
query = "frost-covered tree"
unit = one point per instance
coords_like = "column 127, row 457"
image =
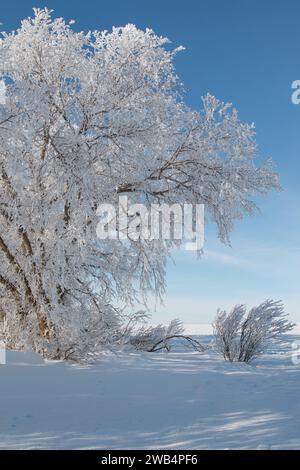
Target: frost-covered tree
column 242, row 336
column 83, row 119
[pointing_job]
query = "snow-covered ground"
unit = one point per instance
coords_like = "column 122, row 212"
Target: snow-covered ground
column 180, row 400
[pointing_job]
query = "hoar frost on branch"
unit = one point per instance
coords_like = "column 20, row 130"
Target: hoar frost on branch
column 84, row 118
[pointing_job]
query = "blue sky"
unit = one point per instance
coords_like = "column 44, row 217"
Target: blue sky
column 246, row 52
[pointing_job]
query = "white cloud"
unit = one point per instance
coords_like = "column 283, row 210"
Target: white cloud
column 223, row 258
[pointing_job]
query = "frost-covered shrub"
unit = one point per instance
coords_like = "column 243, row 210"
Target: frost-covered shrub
column 242, row 336
column 161, row 337
column 152, row 338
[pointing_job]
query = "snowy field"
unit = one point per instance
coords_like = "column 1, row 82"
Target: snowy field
column 180, row 400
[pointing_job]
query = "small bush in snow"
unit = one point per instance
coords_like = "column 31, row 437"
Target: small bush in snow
column 147, row 337
column 242, row 336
